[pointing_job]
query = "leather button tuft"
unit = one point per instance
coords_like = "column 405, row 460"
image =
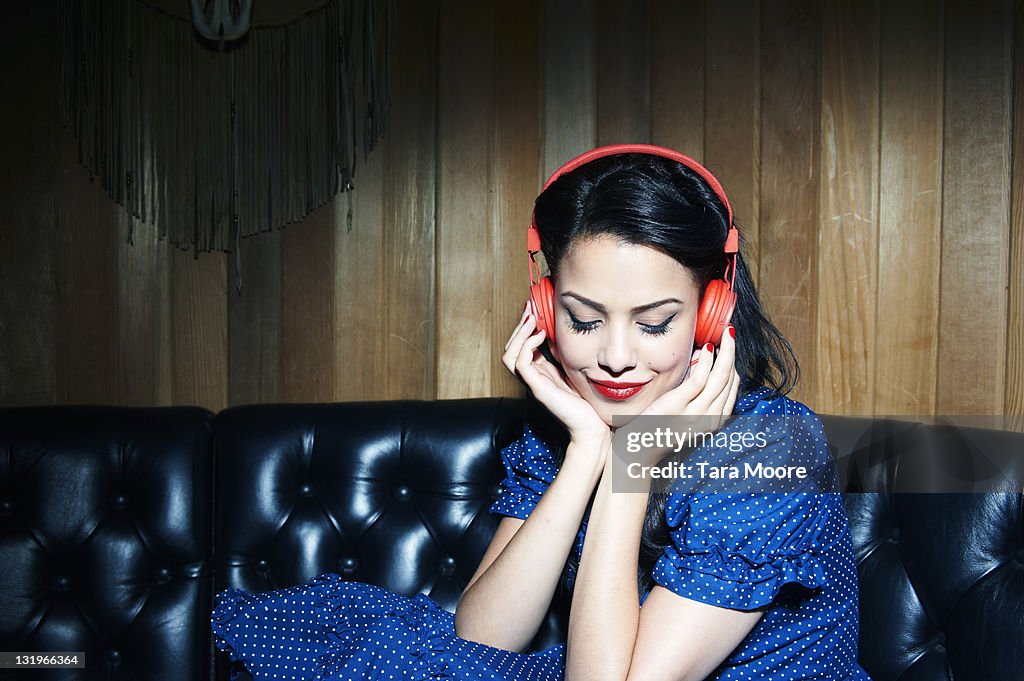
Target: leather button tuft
column 113, row 655
column 306, row 490
column 447, row 566
column 6, row 506
column 895, row 535
column 402, row 493
column 349, row 565
column 496, row 491
column 63, row 582
column 163, row 575
column 261, row 565
column 119, row 501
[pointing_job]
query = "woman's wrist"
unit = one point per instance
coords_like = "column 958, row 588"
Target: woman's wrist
column 587, row 456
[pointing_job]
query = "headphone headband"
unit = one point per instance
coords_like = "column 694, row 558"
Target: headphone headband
column 653, row 150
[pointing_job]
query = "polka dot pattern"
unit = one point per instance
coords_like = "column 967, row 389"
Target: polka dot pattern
column 788, row 553
column 333, row 630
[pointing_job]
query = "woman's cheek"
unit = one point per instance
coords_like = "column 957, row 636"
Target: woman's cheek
column 576, row 353
column 672, row 363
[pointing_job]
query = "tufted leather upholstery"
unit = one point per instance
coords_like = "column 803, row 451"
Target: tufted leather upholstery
column 941, row 574
column 105, row 526
column 396, row 493
column 406, row 507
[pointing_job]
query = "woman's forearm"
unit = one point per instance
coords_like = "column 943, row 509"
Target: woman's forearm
column 605, row 607
column 506, row 604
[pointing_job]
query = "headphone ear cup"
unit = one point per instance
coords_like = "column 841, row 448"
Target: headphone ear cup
column 542, row 298
column 715, row 312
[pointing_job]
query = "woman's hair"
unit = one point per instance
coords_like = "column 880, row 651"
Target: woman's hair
column 648, row 200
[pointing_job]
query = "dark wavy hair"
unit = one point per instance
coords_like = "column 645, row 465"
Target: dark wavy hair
column 648, row 200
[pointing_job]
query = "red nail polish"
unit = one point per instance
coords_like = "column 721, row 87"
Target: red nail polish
column 732, row 331
column 709, row 347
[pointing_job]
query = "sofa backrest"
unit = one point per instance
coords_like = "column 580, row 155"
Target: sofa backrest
column 937, row 521
column 118, row 525
column 391, row 493
column 394, row 493
column 105, row 538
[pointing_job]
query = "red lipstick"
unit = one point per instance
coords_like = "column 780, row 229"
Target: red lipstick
column 617, row 391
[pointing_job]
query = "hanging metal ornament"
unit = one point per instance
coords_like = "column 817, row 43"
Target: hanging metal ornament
column 229, row 21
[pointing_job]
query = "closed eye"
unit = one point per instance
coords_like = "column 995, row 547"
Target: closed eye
column 577, row 326
column 657, row 329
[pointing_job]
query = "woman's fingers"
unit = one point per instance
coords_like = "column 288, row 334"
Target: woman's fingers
column 522, row 321
column 723, row 403
column 720, row 378
column 734, row 391
column 699, row 372
column 724, row 374
column 524, row 362
column 523, row 358
column 515, row 343
column 552, row 390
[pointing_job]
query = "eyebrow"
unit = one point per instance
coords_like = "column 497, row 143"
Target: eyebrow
column 639, row 309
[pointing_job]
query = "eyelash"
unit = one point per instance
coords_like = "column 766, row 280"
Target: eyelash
column 577, row 326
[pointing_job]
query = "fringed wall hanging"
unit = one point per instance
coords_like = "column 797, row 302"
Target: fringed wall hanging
column 209, row 141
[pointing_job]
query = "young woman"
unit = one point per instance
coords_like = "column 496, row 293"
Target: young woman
column 707, row 581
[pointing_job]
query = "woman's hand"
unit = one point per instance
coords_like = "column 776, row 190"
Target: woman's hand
column 523, row 358
column 708, row 389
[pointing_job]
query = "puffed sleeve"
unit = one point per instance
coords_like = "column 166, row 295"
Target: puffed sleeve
column 530, row 468
column 738, row 550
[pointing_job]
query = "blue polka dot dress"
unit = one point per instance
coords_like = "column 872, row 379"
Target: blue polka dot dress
column 331, row 629
column 788, row 552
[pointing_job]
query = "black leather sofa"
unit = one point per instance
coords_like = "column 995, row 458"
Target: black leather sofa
column 118, row 525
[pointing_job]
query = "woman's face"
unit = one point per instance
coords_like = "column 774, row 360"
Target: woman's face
column 624, row 319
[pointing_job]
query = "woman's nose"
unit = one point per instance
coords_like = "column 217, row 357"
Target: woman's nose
column 617, row 354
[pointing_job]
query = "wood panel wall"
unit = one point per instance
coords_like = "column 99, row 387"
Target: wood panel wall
column 868, row 148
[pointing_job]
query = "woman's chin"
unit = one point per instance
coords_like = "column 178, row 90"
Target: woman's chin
column 618, row 415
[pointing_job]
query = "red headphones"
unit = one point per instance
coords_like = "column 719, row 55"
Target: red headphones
column 719, row 298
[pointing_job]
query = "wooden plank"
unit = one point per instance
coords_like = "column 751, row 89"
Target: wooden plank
column 465, row 147
column 357, row 354
column 255, row 318
column 359, row 325
column 164, row 317
column 570, row 81
column 199, row 319
column 623, row 73
column 1014, row 402
column 87, row 288
column 308, row 315
column 29, row 135
column 410, row 150
column 910, row 208
column 142, row 282
column 677, row 35
column 848, row 246
column 732, row 107
column 516, row 172
column 975, row 179
column 789, row 178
